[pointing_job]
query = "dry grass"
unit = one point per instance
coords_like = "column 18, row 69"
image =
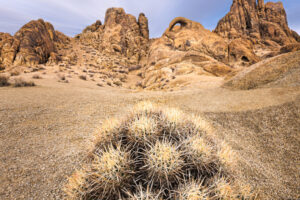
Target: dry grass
column 20, row 82
column 4, row 81
column 36, row 76
column 83, row 77
column 15, row 73
column 156, row 149
column 267, row 141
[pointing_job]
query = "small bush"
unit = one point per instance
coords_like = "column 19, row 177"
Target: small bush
column 4, row 81
column 19, row 82
column 117, row 83
column 36, row 76
column 14, row 73
column 62, row 78
column 82, row 77
column 133, row 68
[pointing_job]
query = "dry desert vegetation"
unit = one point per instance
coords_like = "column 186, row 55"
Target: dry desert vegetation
column 113, row 114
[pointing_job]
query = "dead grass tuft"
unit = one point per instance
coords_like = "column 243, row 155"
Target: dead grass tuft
column 20, row 82
column 36, row 76
column 4, row 81
column 15, row 73
column 83, row 77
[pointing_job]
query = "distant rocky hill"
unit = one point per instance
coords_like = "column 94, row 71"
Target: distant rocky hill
column 251, row 32
column 258, row 22
column 121, row 34
column 33, row 44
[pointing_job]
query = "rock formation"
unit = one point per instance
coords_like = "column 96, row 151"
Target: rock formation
column 257, row 21
column 121, row 34
column 8, row 49
column 31, row 45
column 185, row 49
column 252, row 31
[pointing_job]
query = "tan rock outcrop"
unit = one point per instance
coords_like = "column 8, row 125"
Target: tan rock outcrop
column 258, row 21
column 191, row 35
column 31, row 45
column 94, row 27
column 241, row 52
column 290, row 48
column 121, row 34
column 36, row 43
column 8, row 49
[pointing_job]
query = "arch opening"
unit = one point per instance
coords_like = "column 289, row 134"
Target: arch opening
column 182, row 24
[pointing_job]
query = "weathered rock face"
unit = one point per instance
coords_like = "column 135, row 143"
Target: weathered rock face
column 36, row 43
column 31, row 45
column 120, row 35
column 240, row 53
column 94, row 27
column 184, row 52
column 258, row 21
column 192, row 36
column 8, row 49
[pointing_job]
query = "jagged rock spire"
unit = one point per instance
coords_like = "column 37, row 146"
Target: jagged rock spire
column 258, row 21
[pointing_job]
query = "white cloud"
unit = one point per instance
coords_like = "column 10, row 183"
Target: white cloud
column 71, row 16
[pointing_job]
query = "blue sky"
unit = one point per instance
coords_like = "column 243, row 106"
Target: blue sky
column 72, row 16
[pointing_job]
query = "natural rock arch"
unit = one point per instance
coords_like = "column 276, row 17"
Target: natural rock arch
column 184, row 22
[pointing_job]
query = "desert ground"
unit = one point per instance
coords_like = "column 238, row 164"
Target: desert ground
column 47, row 130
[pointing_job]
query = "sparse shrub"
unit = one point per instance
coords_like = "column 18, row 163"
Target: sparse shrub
column 100, row 84
column 20, row 82
column 82, row 77
column 62, row 78
column 14, row 73
column 140, row 74
column 4, row 81
column 117, row 83
column 133, row 68
column 154, row 154
column 139, row 84
column 36, row 76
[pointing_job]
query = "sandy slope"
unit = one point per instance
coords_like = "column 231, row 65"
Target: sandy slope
column 46, row 131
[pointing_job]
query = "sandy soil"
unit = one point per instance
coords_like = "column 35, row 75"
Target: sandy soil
column 46, row 131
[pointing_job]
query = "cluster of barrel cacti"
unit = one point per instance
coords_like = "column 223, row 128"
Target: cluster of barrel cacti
column 156, row 153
